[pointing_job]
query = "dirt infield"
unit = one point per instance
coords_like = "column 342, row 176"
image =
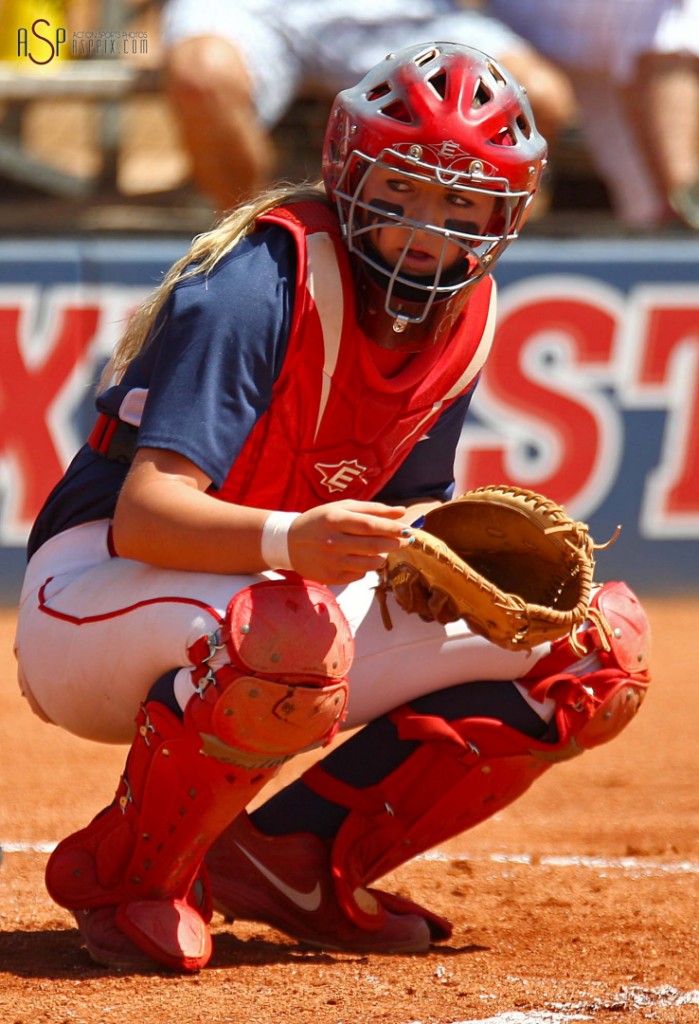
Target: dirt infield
column 578, row 903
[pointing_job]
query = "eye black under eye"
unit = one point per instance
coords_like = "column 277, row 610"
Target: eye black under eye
column 382, row 204
column 466, row 227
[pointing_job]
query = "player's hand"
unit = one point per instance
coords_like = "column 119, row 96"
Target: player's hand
column 342, row 541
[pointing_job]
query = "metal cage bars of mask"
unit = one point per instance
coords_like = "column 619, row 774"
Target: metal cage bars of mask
column 477, row 263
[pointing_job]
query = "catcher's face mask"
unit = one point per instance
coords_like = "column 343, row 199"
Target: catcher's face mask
column 442, row 115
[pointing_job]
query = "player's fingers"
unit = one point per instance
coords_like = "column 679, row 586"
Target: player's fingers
column 378, row 508
column 368, row 542
column 337, row 563
column 368, row 525
column 320, row 545
column 353, row 568
column 366, row 516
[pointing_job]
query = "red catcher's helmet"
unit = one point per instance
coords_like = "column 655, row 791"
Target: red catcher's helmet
column 446, row 114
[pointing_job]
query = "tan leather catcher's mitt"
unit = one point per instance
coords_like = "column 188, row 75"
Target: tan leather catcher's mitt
column 509, row 561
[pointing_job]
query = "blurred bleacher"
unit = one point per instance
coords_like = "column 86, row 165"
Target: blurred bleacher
column 89, row 146
column 112, row 163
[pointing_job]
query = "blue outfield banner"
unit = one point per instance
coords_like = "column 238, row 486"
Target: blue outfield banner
column 591, row 393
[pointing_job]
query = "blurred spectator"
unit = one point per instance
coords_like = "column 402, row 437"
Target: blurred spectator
column 634, row 65
column 233, row 70
column 76, row 128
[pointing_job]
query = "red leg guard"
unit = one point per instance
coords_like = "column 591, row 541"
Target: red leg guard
column 143, row 854
column 466, row 770
column 462, row 773
column 185, row 781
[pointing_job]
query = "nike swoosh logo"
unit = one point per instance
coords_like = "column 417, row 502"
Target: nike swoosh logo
column 308, row 901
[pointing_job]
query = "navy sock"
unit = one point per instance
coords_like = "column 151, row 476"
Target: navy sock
column 163, row 690
column 376, row 751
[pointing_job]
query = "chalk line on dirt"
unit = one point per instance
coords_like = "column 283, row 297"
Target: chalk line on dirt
column 536, row 1017
column 637, row 865
column 565, row 1013
column 647, row 866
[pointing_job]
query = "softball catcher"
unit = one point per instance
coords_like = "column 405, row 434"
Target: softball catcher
column 202, row 582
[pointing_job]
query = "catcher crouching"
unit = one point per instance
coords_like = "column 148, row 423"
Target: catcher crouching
column 211, row 581
column 307, row 860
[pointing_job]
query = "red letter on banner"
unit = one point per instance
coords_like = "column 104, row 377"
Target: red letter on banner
column 541, row 391
column 26, row 394
column 667, row 373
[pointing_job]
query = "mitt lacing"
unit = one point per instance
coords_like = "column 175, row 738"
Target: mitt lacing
column 604, row 631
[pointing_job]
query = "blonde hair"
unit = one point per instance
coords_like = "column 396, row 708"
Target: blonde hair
column 202, row 256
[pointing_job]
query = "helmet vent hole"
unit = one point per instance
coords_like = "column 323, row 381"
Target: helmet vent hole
column 426, row 57
column 524, row 126
column 397, row 111
column 496, row 73
column 378, row 92
column 438, row 82
column 505, row 137
column 482, row 95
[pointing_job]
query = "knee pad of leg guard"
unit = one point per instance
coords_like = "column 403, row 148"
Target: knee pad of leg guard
column 284, row 688
column 599, row 688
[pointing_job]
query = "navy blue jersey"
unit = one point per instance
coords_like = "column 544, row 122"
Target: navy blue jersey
column 209, row 368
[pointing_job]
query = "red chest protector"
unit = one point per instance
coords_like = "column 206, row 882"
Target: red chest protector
column 336, row 428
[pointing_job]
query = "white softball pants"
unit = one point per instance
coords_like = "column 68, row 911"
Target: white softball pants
column 95, row 632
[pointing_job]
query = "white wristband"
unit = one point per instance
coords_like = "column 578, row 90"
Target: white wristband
column 275, row 539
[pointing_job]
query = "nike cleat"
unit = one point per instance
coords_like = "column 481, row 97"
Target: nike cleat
column 144, row 935
column 106, row 942
column 285, row 881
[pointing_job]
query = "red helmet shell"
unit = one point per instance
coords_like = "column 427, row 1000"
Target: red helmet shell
column 464, row 111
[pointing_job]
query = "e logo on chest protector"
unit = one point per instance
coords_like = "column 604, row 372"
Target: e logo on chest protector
column 339, row 476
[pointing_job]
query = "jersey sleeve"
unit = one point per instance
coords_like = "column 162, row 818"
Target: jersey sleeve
column 216, row 354
column 428, row 471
